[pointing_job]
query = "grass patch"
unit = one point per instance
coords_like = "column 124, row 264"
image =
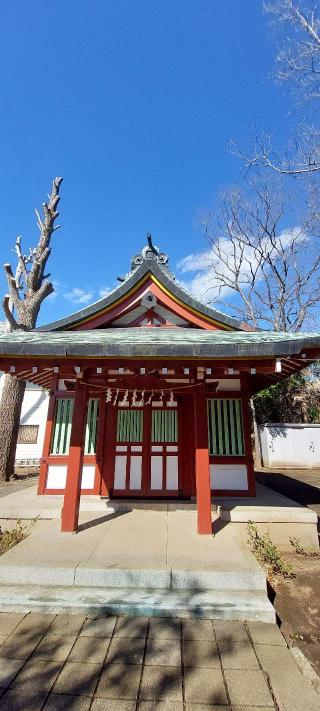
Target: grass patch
column 10, row 538
column 267, row 552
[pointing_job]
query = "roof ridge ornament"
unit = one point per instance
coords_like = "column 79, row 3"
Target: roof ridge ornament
column 149, row 253
column 153, row 248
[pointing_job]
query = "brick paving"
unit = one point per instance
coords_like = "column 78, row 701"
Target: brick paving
column 69, row 662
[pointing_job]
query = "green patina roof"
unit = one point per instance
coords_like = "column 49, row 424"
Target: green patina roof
column 167, row 342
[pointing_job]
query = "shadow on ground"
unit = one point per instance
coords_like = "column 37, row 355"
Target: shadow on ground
column 62, row 662
column 294, row 487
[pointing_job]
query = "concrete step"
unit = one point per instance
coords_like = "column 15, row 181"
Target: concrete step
column 25, row 504
column 168, row 579
column 223, row 604
column 267, row 506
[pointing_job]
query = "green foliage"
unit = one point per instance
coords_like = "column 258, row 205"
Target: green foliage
column 10, row 538
column 267, row 552
column 295, row 399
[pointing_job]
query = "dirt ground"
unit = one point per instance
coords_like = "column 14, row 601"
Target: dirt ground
column 297, row 600
column 24, row 476
column 297, row 604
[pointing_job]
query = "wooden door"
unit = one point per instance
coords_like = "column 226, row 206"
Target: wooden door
column 146, row 461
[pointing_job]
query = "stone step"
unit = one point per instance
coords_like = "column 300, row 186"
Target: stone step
column 223, row 604
column 49, row 506
column 168, row 579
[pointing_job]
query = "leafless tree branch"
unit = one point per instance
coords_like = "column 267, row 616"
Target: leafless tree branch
column 272, row 273
column 297, row 65
column 28, row 287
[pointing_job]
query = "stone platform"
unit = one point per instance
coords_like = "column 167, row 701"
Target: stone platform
column 95, row 601
column 282, row 517
column 271, row 511
column 136, row 561
column 145, row 557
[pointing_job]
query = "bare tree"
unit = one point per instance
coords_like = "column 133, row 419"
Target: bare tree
column 28, row 287
column 301, row 156
column 298, row 66
column 261, row 271
column 298, row 59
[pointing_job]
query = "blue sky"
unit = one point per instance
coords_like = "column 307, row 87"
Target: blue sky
column 134, row 104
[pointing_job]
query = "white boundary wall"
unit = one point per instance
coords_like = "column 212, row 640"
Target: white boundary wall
column 34, row 412
column 290, row 445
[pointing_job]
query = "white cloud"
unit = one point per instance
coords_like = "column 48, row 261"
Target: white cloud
column 55, row 293
column 104, row 291
column 201, row 283
column 200, row 286
column 79, row 296
column 201, row 260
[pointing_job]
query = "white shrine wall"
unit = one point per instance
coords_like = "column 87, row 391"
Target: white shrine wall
column 34, row 412
column 290, row 445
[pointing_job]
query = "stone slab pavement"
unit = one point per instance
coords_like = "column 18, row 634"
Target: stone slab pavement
column 57, row 662
column 159, row 540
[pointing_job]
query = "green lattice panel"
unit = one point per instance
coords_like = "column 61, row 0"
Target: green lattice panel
column 225, row 426
column 62, row 426
column 130, row 426
column 164, row 426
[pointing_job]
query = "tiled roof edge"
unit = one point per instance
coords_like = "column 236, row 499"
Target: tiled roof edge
column 140, row 272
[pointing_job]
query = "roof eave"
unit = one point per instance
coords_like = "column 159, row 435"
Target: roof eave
column 143, row 350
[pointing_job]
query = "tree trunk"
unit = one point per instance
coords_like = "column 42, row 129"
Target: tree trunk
column 28, row 288
column 256, row 439
column 10, row 411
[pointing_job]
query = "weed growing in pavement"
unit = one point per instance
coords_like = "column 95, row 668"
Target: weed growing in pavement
column 297, row 545
column 267, row 552
column 10, row 538
column 300, row 550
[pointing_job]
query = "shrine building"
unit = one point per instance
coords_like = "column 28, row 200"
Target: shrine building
column 149, row 393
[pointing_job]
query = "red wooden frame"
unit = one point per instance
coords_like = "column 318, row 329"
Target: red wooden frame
column 247, row 457
column 104, row 459
column 146, row 454
column 60, row 459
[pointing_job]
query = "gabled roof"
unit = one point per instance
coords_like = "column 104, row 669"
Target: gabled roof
column 150, row 262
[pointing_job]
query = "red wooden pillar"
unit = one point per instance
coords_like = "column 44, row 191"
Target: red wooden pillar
column 109, row 450
column 246, row 415
column 98, row 481
column 47, row 437
column 71, row 502
column 202, row 468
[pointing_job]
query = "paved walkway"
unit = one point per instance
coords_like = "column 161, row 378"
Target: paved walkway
column 127, row 664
